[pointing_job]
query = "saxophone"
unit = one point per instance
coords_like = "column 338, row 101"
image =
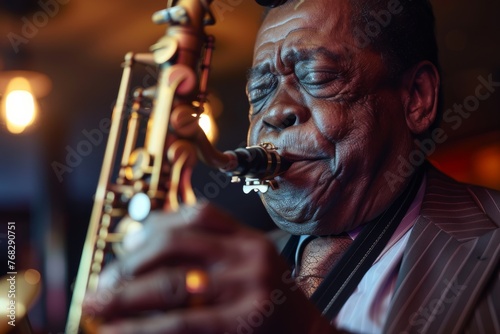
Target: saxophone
column 155, row 166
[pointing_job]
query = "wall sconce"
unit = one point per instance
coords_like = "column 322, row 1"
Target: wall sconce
column 21, row 89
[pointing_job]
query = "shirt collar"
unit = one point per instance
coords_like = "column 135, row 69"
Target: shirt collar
column 406, row 224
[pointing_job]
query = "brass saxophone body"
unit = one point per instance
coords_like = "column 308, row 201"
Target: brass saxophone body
column 154, row 170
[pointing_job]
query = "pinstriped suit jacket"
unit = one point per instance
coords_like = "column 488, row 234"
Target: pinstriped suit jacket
column 449, row 279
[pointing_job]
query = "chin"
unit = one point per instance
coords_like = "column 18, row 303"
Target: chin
column 305, row 228
column 315, row 224
column 308, row 200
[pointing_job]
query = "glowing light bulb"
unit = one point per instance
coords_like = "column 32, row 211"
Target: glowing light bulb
column 19, row 105
column 20, row 108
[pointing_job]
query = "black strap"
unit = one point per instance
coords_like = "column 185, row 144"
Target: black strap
column 345, row 276
column 288, row 252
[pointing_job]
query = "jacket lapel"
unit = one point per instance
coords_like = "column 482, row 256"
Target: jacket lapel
column 451, row 253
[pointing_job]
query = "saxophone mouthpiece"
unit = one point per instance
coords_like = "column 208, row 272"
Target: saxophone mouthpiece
column 259, row 165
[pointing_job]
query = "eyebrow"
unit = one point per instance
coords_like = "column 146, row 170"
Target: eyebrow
column 258, row 70
column 294, row 56
column 310, row 54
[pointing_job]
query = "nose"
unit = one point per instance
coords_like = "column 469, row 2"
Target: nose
column 285, row 111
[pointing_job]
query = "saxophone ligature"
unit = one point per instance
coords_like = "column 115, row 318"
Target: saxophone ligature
column 151, row 170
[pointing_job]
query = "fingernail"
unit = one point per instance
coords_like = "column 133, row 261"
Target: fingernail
column 108, row 279
column 190, row 212
column 134, row 240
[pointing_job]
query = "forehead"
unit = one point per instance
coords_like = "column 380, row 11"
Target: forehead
column 307, row 23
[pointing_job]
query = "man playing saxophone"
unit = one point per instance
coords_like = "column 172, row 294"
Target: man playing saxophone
column 349, row 110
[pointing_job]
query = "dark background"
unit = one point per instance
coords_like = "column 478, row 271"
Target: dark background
column 81, row 46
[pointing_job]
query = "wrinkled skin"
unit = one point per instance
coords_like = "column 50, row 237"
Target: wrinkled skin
column 329, row 107
column 246, row 276
column 332, row 108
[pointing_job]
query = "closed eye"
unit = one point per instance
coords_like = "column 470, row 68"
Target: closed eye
column 317, row 78
column 261, row 87
column 321, row 79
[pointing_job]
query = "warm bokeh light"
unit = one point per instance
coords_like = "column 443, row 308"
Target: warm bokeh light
column 32, row 276
column 196, row 281
column 20, row 108
column 207, row 123
column 486, row 166
column 23, row 288
column 19, row 105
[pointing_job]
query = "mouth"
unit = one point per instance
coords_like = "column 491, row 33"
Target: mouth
column 296, row 164
column 293, row 157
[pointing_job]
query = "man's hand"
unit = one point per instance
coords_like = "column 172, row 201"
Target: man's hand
column 249, row 287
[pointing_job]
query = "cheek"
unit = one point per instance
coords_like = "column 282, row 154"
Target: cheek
column 334, row 121
column 352, row 128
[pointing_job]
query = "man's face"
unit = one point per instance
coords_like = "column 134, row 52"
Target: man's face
column 330, row 107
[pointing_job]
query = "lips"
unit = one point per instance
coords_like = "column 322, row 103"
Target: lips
column 296, row 151
column 292, row 158
column 296, row 156
column 299, row 166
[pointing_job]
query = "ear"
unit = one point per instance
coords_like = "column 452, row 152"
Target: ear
column 423, row 91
